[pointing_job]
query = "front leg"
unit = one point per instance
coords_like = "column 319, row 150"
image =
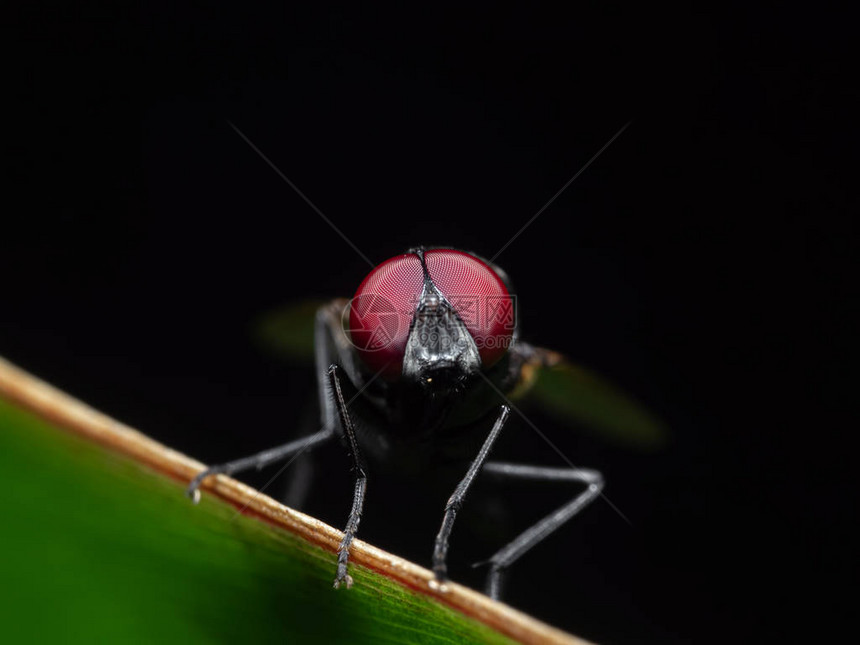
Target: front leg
column 440, row 550
column 342, row 576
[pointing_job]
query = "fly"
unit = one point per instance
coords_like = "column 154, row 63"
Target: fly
column 427, row 354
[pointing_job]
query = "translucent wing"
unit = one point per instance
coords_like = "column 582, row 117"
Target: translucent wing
column 289, row 330
column 566, row 391
column 577, row 395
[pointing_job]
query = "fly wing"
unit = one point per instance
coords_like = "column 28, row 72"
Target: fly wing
column 288, row 331
column 576, row 395
column 569, row 392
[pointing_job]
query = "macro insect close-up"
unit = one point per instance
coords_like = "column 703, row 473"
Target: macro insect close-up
column 426, row 361
column 501, row 323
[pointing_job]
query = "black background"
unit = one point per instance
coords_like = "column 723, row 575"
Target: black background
column 700, row 262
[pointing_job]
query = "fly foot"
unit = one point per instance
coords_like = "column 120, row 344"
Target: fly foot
column 193, row 490
column 342, row 578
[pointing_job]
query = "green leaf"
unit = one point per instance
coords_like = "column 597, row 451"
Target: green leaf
column 575, row 394
column 99, row 544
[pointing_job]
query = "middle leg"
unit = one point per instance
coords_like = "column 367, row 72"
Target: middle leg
column 510, row 553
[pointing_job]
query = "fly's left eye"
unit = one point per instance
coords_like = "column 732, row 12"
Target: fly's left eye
column 381, row 312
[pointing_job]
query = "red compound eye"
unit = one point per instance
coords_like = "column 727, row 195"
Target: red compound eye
column 479, row 297
column 381, row 312
column 385, row 302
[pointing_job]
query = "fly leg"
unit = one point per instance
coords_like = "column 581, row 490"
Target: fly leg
column 510, row 553
column 342, row 576
column 322, row 356
column 300, row 483
column 440, row 549
column 260, row 460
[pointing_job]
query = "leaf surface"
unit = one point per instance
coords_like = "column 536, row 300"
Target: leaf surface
column 100, row 544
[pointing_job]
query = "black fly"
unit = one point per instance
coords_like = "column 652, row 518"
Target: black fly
column 429, row 350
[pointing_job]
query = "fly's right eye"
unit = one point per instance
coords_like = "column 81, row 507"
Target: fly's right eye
column 381, row 312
